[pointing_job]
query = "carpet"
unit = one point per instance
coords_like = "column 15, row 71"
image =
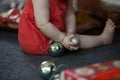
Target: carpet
column 17, row 65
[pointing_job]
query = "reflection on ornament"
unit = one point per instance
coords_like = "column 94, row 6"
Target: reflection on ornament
column 56, row 49
column 46, row 69
column 76, row 40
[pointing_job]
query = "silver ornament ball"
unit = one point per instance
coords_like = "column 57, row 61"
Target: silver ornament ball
column 75, row 40
column 47, row 67
column 56, row 46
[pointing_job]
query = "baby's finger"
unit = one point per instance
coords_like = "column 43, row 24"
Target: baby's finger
column 73, row 48
column 72, row 43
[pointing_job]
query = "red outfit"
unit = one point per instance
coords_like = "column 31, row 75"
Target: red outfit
column 31, row 39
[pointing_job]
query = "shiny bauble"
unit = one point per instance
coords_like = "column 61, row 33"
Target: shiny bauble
column 47, row 69
column 55, row 77
column 56, row 49
column 76, row 40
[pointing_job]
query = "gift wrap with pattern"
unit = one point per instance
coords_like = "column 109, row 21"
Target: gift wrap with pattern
column 101, row 71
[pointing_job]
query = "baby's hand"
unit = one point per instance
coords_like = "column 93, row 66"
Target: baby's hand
column 76, row 40
column 69, row 44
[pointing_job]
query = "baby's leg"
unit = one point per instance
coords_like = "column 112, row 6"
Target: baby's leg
column 106, row 37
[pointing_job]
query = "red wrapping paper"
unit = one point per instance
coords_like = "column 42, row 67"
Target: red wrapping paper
column 100, row 71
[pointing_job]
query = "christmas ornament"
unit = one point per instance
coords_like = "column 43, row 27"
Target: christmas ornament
column 56, row 49
column 49, row 71
column 46, row 69
column 76, row 40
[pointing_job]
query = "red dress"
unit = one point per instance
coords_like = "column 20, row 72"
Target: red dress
column 31, row 39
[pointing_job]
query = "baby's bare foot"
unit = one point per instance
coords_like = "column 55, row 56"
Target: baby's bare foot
column 108, row 32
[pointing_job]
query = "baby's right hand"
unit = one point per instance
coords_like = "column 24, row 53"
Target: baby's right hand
column 67, row 43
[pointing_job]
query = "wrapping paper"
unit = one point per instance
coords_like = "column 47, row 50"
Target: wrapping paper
column 100, row 71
